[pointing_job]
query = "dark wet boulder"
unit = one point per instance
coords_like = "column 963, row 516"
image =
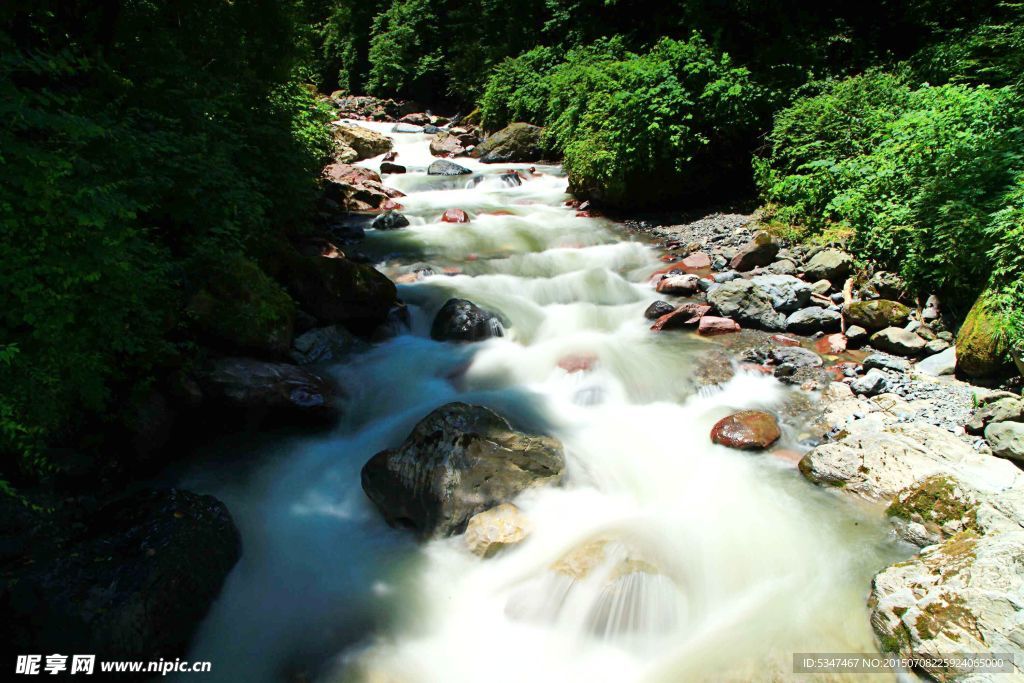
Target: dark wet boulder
column 458, row 461
column 658, row 309
column 446, row 168
column 759, row 251
column 260, row 391
column 135, row 585
column 339, row 290
column 517, row 142
column 747, row 304
column 391, row 167
column 463, row 321
column 748, row 430
column 389, row 220
column 323, row 345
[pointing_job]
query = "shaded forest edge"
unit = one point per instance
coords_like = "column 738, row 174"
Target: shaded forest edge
column 161, row 166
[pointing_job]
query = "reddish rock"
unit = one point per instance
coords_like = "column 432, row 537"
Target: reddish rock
column 832, row 344
column 748, row 430
column 759, row 251
column 446, row 145
column 582, row 214
column 680, row 285
column 712, row 325
column 454, row 216
column 784, row 340
column 417, row 119
column 391, row 205
column 669, row 258
column 696, row 261
column 357, row 189
column 578, row 362
column 686, row 315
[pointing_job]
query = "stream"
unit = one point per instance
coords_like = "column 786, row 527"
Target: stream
column 733, row 561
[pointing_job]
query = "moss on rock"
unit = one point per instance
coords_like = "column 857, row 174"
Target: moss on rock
column 982, row 349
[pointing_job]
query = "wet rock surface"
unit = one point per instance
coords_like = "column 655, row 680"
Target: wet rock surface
column 460, row 320
column 749, row 430
column 458, row 461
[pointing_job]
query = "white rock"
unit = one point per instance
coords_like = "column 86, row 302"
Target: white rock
column 942, row 363
column 491, row 530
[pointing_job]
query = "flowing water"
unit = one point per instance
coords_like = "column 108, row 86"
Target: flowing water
column 718, row 564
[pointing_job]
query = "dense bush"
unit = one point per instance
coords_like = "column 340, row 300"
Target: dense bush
column 917, row 173
column 635, row 130
column 135, row 146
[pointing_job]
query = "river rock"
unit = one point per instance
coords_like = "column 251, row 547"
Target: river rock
column 454, row 216
column 875, row 460
column 340, row 291
column 658, row 309
column 493, row 530
column 445, row 144
column 135, row 585
column 364, row 142
column 813, row 319
column 517, row 142
column 748, row 304
column 829, row 264
column 872, row 383
column 710, row 326
column 943, row 363
column 406, row 128
column 324, row 345
column 389, row 220
column 685, row 315
column 960, row 596
column 1000, row 410
column 898, row 341
column 821, row 287
column 679, row 285
column 856, row 336
column 390, row 167
column 786, row 292
column 759, row 251
column 933, row 509
column 460, row 320
column 877, row 314
column 982, row 350
column 355, row 188
column 696, row 261
column 1006, row 440
column 447, row 168
column 884, row 361
column 458, row 461
column 747, row 430
column 262, row 390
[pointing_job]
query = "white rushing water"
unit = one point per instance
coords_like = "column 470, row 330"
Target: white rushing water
column 719, row 564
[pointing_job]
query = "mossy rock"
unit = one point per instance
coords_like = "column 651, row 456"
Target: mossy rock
column 982, row 349
column 877, row 314
column 238, row 308
column 517, row 142
column 939, row 503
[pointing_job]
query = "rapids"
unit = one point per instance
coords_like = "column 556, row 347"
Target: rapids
column 720, row 564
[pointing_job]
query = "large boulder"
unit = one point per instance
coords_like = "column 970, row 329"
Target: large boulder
column 981, row 347
column 340, row 291
column 813, row 319
column 458, row 461
column 325, row 345
column 749, row 430
column 517, row 142
column 260, row 390
column 747, row 304
column 898, row 341
column 1006, row 440
column 759, row 251
column 445, row 144
column 828, row 264
column 876, row 314
column 237, row 308
column 460, row 320
column 134, row 586
column 786, row 292
column 363, row 142
column 354, row 188
column 390, row 220
column 960, row 596
column 444, row 167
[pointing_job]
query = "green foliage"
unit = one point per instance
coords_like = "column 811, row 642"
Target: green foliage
column 135, row 146
column 1006, row 234
column 518, row 89
column 916, row 173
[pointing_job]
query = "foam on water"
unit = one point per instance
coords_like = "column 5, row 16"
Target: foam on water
column 701, row 563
